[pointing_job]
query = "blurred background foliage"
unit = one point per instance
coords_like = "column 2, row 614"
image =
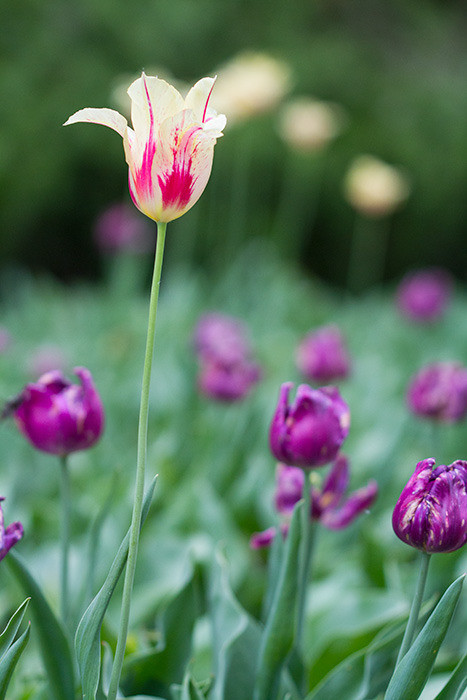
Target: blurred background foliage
column 397, row 69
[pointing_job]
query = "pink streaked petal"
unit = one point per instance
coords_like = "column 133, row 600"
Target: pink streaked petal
column 164, row 99
column 104, row 116
column 182, row 163
column 198, row 98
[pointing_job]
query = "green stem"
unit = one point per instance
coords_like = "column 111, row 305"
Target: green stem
column 140, row 468
column 415, row 609
column 306, row 550
column 64, row 536
column 367, row 254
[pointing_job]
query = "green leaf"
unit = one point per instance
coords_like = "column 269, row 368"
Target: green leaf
column 53, row 641
column 9, row 633
column 87, row 638
column 187, row 691
column 414, row 669
column 278, row 635
column 236, row 639
column 155, row 669
column 456, row 684
column 10, row 659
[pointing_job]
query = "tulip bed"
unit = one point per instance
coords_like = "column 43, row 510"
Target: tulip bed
column 199, row 593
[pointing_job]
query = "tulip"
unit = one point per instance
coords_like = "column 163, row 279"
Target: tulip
column 228, row 381
column 424, row 295
column 220, row 337
column 439, row 392
column 374, row 188
column 431, row 513
column 120, row 229
column 308, row 125
column 251, row 83
column 57, row 416
column 170, row 148
column 322, row 355
column 8, row 536
column 310, row 432
column 327, row 503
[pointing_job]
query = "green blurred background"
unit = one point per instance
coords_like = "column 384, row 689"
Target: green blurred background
column 398, row 69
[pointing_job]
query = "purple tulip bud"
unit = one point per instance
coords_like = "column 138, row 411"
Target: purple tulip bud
column 431, row 513
column 322, row 355
column 424, row 295
column 439, row 391
column 57, row 416
column 228, row 381
column 310, row 432
column 289, row 488
column 221, row 337
column 9, row 536
column 121, row 229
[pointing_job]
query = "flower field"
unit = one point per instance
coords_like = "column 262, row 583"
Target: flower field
column 199, row 588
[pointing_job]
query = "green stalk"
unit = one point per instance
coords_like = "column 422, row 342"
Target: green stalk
column 415, row 609
column 140, row 468
column 64, row 536
column 308, row 530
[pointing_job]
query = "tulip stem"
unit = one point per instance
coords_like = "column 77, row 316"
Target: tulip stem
column 140, row 468
column 65, row 536
column 306, row 550
column 415, row 609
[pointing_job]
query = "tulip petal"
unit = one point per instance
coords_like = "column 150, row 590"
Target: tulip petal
column 198, row 98
column 357, row 502
column 100, row 115
column 152, row 99
column 182, row 164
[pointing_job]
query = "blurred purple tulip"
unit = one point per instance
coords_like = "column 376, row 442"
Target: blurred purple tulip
column 228, row 382
column 322, row 355
column 57, row 416
column 310, row 432
column 424, row 295
column 221, row 337
column 431, row 513
column 8, row 536
column 439, row 391
column 121, row 229
column 227, row 372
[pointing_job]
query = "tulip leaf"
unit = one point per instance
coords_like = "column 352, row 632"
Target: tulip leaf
column 9, row 633
column 156, row 668
column 456, row 684
column 279, row 632
column 413, row 671
column 10, row 659
column 187, row 691
column 87, row 638
column 53, row 641
column 236, row 639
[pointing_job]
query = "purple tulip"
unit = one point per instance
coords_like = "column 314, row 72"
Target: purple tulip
column 9, row 536
column 221, row 337
column 439, row 391
column 228, row 381
column 57, row 416
column 120, row 229
column 322, row 355
column 424, row 295
column 289, row 488
column 327, row 503
column 310, row 432
column 431, row 513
